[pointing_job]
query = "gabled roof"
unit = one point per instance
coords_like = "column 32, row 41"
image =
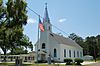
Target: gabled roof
column 64, row 40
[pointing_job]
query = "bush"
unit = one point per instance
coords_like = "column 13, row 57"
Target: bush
column 68, row 61
column 52, row 60
column 98, row 58
column 41, row 61
column 78, row 61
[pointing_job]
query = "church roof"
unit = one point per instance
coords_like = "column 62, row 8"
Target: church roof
column 64, row 40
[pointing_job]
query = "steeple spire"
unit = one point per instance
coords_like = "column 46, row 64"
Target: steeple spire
column 46, row 16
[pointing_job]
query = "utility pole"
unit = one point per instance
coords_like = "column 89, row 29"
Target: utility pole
column 94, row 42
column 94, row 54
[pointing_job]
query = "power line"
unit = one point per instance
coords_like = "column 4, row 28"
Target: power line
column 59, row 29
column 34, row 12
column 42, row 17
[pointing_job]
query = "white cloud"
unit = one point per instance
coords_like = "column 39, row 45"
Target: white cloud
column 31, row 20
column 62, row 20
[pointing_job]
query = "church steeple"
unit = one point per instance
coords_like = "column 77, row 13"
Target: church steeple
column 46, row 16
column 46, row 20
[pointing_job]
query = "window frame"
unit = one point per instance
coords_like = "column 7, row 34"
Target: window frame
column 43, row 45
column 55, row 52
column 69, row 53
column 64, row 52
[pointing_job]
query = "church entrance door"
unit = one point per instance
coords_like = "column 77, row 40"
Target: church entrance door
column 43, row 57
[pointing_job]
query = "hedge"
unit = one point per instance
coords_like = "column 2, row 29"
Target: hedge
column 78, row 61
column 68, row 61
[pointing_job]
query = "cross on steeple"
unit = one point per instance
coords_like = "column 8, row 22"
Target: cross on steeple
column 46, row 5
column 46, row 17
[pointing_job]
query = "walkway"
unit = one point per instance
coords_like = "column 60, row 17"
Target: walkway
column 95, row 64
column 88, row 62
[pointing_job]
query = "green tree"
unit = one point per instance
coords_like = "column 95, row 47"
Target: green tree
column 16, row 18
column 3, row 41
column 15, row 35
column 77, row 39
column 98, row 45
column 73, row 36
column 2, row 10
column 22, row 43
column 26, row 43
column 16, row 12
column 19, row 50
column 92, row 45
column 13, row 17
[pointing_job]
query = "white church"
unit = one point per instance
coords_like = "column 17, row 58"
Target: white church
column 56, row 46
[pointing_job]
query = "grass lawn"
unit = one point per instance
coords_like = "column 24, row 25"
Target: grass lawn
column 13, row 64
column 40, row 64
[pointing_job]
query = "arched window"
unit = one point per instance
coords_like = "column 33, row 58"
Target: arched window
column 64, row 52
column 69, row 53
column 77, row 53
column 74, row 53
column 43, row 45
column 55, row 53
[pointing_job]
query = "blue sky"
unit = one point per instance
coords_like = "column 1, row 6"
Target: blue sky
column 81, row 17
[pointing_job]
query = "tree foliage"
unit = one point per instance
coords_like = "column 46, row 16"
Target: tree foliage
column 77, row 39
column 12, row 18
column 19, row 50
column 16, row 12
column 90, row 44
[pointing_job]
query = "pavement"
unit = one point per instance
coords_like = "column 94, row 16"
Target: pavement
column 88, row 62
column 95, row 64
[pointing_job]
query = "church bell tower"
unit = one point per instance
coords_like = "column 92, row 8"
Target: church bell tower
column 46, row 20
column 44, row 36
column 44, row 45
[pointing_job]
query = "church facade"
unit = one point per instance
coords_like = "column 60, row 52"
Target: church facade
column 56, row 46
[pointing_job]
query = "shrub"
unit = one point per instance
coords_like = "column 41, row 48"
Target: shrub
column 52, row 60
column 78, row 61
column 41, row 61
column 98, row 58
column 68, row 61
